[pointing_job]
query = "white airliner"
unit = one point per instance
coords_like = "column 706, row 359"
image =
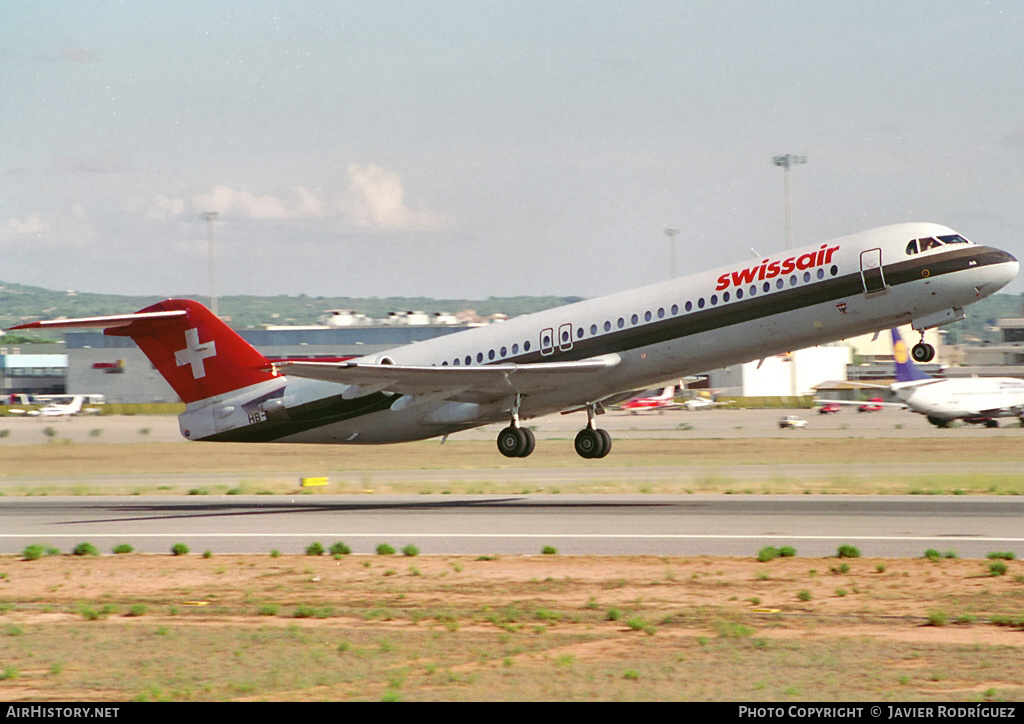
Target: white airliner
column 579, row 357
column 978, row 400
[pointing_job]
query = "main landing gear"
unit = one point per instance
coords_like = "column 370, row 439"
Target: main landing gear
column 518, row 442
column 922, row 351
column 515, row 441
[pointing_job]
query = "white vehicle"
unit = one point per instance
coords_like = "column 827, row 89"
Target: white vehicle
column 792, row 422
column 580, row 357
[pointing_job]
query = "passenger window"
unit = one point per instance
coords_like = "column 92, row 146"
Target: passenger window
column 912, row 247
column 929, row 243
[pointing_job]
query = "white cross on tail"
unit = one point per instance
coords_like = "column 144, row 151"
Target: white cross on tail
column 194, row 353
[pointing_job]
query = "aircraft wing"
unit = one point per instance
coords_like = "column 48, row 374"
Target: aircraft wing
column 900, row 405
column 465, row 384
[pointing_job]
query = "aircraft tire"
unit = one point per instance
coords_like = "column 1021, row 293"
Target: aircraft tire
column 607, row 440
column 511, row 442
column 938, row 421
column 530, row 442
column 589, row 443
column 922, row 352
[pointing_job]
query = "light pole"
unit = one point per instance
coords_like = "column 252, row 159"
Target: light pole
column 210, row 217
column 672, row 233
column 786, row 162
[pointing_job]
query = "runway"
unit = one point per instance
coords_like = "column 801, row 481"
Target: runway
column 715, row 525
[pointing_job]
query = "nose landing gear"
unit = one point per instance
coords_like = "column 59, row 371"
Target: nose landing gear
column 922, row 351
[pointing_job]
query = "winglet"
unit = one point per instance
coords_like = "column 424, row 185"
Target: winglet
column 906, row 370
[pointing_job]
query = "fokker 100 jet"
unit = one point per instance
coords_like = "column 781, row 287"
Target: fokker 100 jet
column 580, row 357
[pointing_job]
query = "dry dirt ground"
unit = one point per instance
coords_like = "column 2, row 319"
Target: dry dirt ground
column 518, row 628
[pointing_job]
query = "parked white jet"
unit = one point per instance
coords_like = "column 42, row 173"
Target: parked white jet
column 972, row 399
column 577, row 357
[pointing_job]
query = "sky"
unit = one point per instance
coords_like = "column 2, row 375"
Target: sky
column 476, row 148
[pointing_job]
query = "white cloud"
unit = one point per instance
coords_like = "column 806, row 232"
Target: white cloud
column 376, row 200
column 31, row 225
column 243, row 203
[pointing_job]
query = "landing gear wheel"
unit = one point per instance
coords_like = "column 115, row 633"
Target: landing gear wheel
column 922, row 352
column 531, row 442
column 510, row 441
column 592, row 443
column 515, row 442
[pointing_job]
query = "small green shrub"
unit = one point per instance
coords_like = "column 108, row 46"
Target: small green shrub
column 86, row 549
column 385, row 550
column 997, row 568
column 122, row 548
column 549, row 551
column 179, row 549
column 33, row 552
column 1004, row 555
column 787, row 552
column 767, row 553
column 932, row 554
column 340, row 549
column 410, row 551
column 804, row 595
column 314, row 549
column 847, row 551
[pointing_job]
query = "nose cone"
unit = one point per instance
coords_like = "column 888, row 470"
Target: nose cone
column 1000, row 269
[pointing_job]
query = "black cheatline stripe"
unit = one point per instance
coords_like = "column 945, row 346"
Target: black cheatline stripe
column 766, row 304
column 307, row 417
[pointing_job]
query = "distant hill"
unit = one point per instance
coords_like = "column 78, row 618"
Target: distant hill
column 21, row 303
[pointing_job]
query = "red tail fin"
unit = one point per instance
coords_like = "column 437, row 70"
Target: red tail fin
column 197, row 353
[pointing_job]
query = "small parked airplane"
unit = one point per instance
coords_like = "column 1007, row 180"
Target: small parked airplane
column 580, row 357
column 977, row 400
column 59, row 409
column 658, row 403
column 704, row 403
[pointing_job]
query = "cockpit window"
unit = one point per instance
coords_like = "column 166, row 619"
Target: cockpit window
column 917, row 245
